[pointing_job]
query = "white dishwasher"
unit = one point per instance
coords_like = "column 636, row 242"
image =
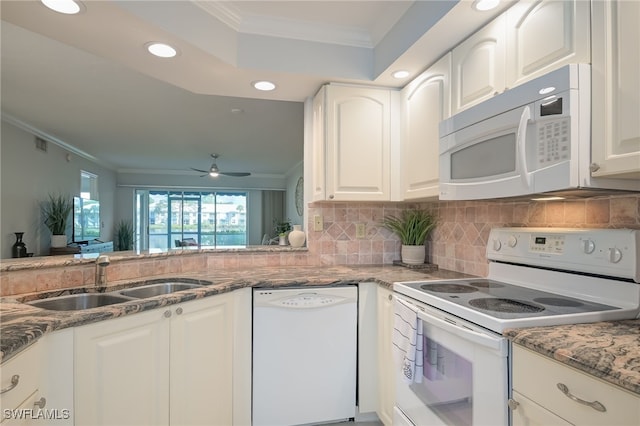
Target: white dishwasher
column 304, row 355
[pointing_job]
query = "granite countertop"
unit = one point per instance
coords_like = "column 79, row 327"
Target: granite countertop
column 23, row 324
column 608, row 350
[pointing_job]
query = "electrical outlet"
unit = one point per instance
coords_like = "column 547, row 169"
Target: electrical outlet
column 317, row 223
column 360, row 230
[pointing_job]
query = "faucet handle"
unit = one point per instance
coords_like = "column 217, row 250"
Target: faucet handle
column 103, row 260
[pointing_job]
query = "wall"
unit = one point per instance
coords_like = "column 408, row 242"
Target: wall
column 27, row 177
column 458, row 242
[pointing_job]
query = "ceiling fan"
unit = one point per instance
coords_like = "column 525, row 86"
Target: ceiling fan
column 215, row 172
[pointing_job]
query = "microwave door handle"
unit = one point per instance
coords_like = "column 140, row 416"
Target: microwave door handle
column 522, row 144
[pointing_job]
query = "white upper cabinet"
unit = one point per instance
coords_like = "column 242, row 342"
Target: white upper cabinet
column 425, row 102
column 616, row 89
column 530, row 39
column 545, row 35
column 478, row 66
column 356, row 127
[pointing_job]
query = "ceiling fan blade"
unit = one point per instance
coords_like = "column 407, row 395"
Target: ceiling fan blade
column 235, row 174
column 201, row 171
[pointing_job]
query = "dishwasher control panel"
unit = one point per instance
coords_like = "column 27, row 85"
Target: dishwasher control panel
column 303, row 298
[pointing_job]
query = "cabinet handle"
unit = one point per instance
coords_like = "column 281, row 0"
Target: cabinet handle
column 14, row 382
column 167, row 314
column 390, row 297
column 594, row 167
column 513, row 404
column 331, row 197
column 179, row 311
column 40, row 403
column 595, row 404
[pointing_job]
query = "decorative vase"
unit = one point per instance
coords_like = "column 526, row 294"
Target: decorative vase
column 58, row 241
column 297, row 236
column 282, row 240
column 413, row 255
column 19, row 249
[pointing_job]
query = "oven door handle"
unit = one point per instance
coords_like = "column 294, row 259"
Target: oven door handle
column 495, row 343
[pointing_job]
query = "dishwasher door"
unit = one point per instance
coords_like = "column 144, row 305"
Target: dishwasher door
column 304, row 355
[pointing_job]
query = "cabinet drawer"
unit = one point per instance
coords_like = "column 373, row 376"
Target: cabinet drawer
column 531, row 414
column 537, row 378
column 26, row 366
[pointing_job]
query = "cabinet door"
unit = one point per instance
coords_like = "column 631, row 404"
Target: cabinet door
column 121, row 371
column 358, row 137
column 318, row 146
column 368, row 386
column 543, row 36
column 201, row 362
column 478, row 66
column 425, row 102
column 57, row 376
column 528, row 413
column 386, row 378
column 616, row 89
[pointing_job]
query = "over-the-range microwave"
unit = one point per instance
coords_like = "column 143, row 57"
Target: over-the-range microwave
column 532, row 139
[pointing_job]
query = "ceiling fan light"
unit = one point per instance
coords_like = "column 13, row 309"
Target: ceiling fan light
column 214, row 173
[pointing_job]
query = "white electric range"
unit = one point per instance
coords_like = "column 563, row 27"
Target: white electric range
column 537, row 277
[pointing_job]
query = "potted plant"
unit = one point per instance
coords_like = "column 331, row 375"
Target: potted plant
column 282, row 228
column 413, row 228
column 124, row 235
column 56, row 211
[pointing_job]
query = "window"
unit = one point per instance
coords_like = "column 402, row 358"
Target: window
column 185, row 218
column 88, row 186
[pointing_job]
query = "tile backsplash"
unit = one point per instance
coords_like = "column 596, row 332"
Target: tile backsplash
column 458, row 242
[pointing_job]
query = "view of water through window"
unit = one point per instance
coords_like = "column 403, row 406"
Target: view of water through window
column 196, row 219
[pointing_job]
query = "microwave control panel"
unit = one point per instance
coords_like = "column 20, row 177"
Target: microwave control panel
column 553, row 141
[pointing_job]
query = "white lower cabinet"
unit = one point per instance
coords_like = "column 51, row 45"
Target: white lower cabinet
column 20, row 383
column 172, row 365
column 546, row 392
column 386, row 378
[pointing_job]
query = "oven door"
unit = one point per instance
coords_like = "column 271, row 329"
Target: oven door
column 465, row 375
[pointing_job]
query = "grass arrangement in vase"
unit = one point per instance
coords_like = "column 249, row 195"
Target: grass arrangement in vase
column 413, row 228
column 57, row 211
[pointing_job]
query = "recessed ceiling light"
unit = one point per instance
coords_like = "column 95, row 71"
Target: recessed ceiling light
column 400, row 74
column 484, row 5
column 264, row 85
column 161, row 50
column 68, row 7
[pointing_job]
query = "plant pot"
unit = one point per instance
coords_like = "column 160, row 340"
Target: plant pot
column 413, row 255
column 282, row 240
column 297, row 236
column 58, row 241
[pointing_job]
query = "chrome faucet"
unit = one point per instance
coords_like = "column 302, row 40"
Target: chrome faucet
column 101, row 271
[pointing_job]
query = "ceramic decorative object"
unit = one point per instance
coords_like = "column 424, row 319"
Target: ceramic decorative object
column 19, row 249
column 58, row 241
column 413, row 255
column 282, row 240
column 297, row 237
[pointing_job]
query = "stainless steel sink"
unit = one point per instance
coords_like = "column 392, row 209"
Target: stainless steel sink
column 157, row 289
column 78, row 302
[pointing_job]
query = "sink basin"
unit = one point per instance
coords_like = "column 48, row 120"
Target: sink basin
column 78, row 302
column 157, row 289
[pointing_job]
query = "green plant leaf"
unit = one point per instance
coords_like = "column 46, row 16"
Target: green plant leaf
column 412, row 226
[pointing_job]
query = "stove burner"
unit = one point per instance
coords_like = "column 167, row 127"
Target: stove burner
column 448, row 288
column 558, row 301
column 505, row 305
column 485, row 284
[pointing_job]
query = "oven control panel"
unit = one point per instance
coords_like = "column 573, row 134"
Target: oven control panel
column 610, row 252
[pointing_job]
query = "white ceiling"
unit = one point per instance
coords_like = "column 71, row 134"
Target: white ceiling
column 86, row 81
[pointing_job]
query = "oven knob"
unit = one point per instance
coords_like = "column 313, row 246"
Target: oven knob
column 512, row 241
column 497, row 245
column 615, row 255
column 588, row 246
